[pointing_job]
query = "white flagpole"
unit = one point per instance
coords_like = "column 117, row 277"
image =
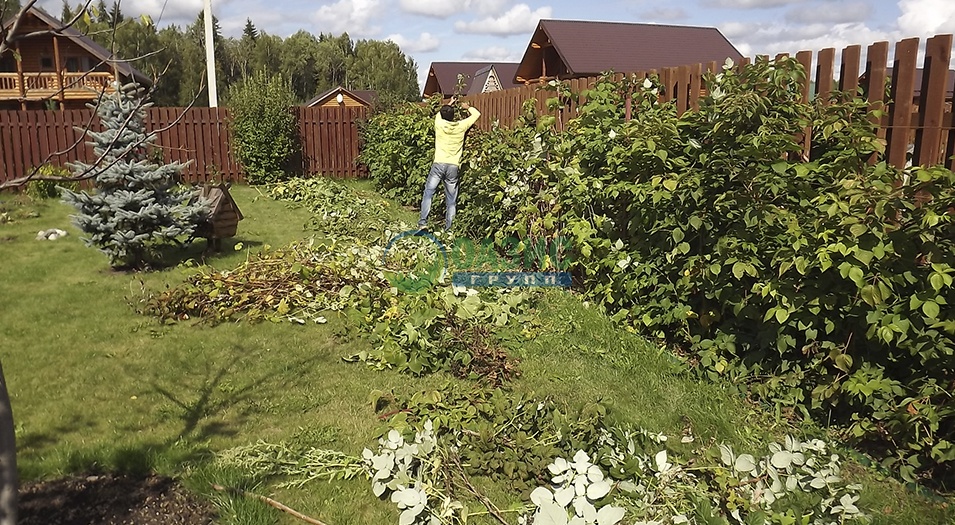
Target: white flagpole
column 210, row 56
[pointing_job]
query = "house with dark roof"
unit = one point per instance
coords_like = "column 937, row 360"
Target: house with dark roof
column 60, row 66
column 476, row 77
column 340, row 97
column 565, row 49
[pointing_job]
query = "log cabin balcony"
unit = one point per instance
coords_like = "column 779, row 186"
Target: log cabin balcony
column 52, row 65
column 54, row 86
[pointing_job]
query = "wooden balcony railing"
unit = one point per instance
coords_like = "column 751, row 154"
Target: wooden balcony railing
column 41, row 86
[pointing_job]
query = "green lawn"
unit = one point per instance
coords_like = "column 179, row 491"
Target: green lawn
column 95, row 385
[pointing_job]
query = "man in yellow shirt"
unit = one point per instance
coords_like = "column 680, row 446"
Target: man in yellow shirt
column 448, row 148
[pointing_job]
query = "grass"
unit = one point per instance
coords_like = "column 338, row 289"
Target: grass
column 96, row 386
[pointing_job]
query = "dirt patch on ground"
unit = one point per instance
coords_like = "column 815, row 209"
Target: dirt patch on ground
column 111, row 499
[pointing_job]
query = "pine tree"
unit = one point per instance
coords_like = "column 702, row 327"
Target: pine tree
column 250, row 31
column 67, row 13
column 115, row 15
column 137, row 204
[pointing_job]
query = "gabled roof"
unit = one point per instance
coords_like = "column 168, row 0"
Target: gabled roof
column 86, row 43
column 589, row 48
column 365, row 96
column 479, row 80
column 490, row 79
column 443, row 76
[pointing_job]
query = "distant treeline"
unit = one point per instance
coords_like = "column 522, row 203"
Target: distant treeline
column 312, row 64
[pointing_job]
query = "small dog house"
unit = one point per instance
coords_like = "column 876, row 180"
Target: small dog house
column 224, row 214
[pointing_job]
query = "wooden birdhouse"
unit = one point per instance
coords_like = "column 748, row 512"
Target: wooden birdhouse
column 224, row 214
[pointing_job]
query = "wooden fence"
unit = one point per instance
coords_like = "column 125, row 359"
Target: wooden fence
column 328, row 138
column 919, row 125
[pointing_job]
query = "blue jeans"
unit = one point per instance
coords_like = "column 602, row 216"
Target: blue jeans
column 440, row 172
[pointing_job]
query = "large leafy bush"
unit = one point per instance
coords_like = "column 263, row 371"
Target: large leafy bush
column 825, row 279
column 398, row 148
column 263, row 126
column 822, row 283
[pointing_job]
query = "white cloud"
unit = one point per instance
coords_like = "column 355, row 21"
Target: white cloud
column 773, row 38
column 434, row 8
column 926, row 17
column 519, row 20
column 487, row 7
column 493, row 54
column 665, row 14
column 352, row 16
column 749, row 4
column 424, row 43
column 831, row 12
column 761, row 32
column 445, row 8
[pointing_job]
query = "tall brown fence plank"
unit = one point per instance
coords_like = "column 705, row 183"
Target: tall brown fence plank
column 900, row 111
column 849, row 69
column 805, row 59
column 950, row 135
column 928, row 136
column 6, row 145
column 877, row 56
column 824, row 72
column 696, row 83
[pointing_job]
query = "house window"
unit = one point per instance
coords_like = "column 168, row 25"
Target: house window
column 8, row 65
column 78, row 64
column 46, row 63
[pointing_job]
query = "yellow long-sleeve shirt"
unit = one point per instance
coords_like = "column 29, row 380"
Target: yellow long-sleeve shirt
column 449, row 137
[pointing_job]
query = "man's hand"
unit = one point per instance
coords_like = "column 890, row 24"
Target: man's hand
column 453, row 101
column 465, row 106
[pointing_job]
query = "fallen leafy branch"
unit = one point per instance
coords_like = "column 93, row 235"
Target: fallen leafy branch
column 282, row 507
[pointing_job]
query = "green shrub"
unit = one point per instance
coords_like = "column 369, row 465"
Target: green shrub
column 821, row 284
column 398, row 148
column 263, row 126
column 47, row 189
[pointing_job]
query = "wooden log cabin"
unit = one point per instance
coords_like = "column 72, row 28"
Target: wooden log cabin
column 58, row 67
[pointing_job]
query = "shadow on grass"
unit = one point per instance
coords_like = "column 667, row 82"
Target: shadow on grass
column 172, row 255
column 200, row 399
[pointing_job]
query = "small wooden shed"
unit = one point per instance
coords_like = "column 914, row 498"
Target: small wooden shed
column 224, row 214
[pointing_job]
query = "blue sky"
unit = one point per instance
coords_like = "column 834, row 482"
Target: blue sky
column 499, row 30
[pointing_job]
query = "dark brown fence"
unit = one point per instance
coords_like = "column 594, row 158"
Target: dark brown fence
column 918, row 117
column 918, row 127
column 328, row 136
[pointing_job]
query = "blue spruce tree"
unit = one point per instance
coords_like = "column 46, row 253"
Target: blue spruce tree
column 136, row 204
